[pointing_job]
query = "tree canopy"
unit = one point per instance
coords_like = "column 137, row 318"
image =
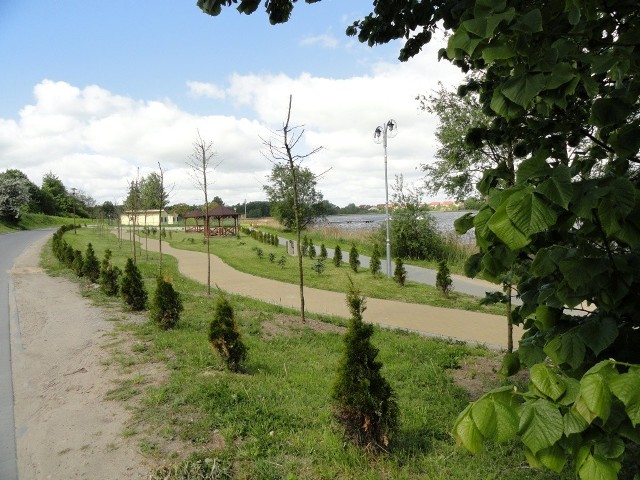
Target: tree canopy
column 560, row 82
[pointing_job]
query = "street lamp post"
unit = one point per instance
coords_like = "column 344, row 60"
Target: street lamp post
column 380, row 135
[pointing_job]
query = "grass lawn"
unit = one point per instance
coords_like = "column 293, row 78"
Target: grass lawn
column 33, row 221
column 275, row 420
column 241, row 254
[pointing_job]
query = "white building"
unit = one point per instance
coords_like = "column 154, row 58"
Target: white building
column 148, row 218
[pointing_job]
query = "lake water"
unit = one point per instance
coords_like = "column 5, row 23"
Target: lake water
column 371, row 221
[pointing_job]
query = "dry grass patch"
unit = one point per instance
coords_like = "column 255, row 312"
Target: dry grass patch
column 283, row 325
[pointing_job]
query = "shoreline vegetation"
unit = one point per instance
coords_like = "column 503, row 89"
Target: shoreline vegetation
column 191, row 417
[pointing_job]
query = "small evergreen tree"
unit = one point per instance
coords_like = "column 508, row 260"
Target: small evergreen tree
column 323, row 252
column 132, row 288
column 282, row 261
column 224, row 335
column 305, row 246
column 91, row 266
column 374, row 262
column 312, row 249
column 109, row 275
column 318, row 266
column 364, row 402
column 443, row 278
column 78, row 263
column 166, row 305
column 400, row 273
column 354, row 258
column 337, row 256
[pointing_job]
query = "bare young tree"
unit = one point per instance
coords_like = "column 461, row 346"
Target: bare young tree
column 200, row 163
column 163, row 198
column 280, row 151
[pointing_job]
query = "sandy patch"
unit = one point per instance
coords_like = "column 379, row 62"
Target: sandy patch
column 66, row 429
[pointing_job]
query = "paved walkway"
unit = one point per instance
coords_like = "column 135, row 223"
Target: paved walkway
column 475, row 327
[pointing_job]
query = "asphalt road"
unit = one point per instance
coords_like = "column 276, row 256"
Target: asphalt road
column 11, row 246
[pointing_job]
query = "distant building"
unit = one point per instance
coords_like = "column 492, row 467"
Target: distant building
column 148, row 218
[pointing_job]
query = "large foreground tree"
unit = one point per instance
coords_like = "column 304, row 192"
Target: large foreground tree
column 561, row 83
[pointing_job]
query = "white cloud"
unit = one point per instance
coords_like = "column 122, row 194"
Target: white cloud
column 96, row 140
column 325, row 40
column 207, row 90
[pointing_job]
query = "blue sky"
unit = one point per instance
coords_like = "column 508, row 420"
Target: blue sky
column 94, row 91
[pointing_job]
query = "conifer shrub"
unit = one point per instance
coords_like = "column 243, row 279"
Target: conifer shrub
column 282, row 262
column 91, row 266
column 276, row 240
column 259, row 253
column 78, row 263
column 323, row 252
column 354, row 258
column 318, row 266
column 305, row 246
column 400, row 273
column 132, row 287
column 68, row 255
column 337, row 256
column 166, row 305
column 109, row 275
column 224, row 336
column 374, row 262
column 312, row 249
column 443, row 278
column 272, row 257
column 363, row 401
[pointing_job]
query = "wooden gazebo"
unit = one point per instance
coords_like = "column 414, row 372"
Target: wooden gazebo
column 216, row 215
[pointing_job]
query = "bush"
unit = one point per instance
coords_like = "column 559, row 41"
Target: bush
column 132, row 288
column 272, row 257
column 364, row 402
column 109, row 275
column 312, row 249
column 91, row 266
column 224, row 335
column 305, row 246
column 443, row 279
column 282, row 261
column 323, row 252
column 374, row 263
column 400, row 273
column 415, row 235
column 318, row 266
column 78, row 263
column 337, row 256
column 354, row 258
column 260, row 253
column 165, row 305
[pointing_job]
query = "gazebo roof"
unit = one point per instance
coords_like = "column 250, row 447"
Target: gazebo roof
column 219, row 211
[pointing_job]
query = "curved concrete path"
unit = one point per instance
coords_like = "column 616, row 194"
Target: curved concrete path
column 475, row 327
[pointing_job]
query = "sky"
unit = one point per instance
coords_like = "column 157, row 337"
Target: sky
column 99, row 93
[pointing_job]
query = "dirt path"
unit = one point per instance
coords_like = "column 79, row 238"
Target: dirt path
column 65, row 427
column 477, row 327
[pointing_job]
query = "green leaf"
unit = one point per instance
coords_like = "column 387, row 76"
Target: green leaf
column 596, row 395
column 547, row 382
column 483, row 415
column 627, row 388
column 510, row 364
column 598, row 333
column 540, row 425
column 561, row 73
column 464, row 223
column 533, row 167
column 554, row 458
column 546, row 261
column 503, row 106
column 522, row 89
column 546, row 317
column 597, row 468
column 558, row 188
column 466, row 433
column 617, row 204
column 566, row 348
column 610, row 447
column 574, row 422
column 500, row 51
column 501, row 225
column 530, row 22
column 626, row 140
column 461, row 40
column 609, row 111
